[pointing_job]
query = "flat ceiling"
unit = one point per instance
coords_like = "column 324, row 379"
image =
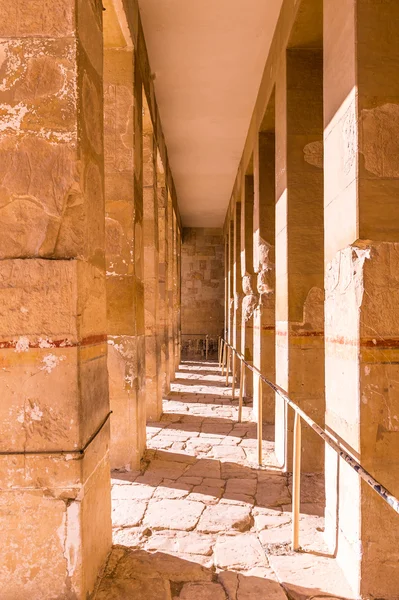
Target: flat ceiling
column 207, row 59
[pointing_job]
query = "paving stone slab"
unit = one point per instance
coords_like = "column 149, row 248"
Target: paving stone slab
column 153, row 589
column 224, row 518
column 127, row 513
column 202, row 591
column 173, row 514
column 239, row 552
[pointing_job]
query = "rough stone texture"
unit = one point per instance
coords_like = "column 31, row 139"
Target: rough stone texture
column 361, row 318
column 299, row 255
column 163, row 319
column 54, row 501
column 151, row 273
column 171, row 285
column 192, row 549
column 250, row 298
column 122, row 313
column 202, row 289
column 361, row 289
column 264, row 267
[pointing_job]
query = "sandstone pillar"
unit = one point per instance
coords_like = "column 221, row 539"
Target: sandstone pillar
column 54, row 428
column 163, row 280
column 179, row 261
column 226, row 286
column 264, row 242
column 299, row 252
column 230, row 280
column 123, row 165
column 250, row 299
column 170, row 291
column 151, row 274
column 176, row 308
column 362, row 314
column 237, row 279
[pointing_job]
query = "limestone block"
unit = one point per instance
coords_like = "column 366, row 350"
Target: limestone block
column 361, row 326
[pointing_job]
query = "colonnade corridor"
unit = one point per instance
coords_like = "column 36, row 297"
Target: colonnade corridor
column 184, row 182
column 201, row 520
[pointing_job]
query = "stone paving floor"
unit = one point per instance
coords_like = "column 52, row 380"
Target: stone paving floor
column 202, row 521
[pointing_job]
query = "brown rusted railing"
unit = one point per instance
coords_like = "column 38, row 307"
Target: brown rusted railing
column 225, row 353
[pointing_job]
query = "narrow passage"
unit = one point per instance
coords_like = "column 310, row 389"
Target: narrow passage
column 201, row 521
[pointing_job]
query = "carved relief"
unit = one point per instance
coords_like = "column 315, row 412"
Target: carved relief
column 265, row 280
column 250, row 301
column 313, row 154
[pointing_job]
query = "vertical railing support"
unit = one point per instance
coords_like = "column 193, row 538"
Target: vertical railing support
column 223, row 357
column 260, row 421
column 228, row 365
column 233, row 382
column 242, row 369
column 296, row 483
column 206, row 346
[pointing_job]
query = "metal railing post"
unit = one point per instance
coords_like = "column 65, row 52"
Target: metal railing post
column 206, row 346
column 260, row 421
column 242, row 369
column 296, row 483
column 223, row 357
column 228, row 365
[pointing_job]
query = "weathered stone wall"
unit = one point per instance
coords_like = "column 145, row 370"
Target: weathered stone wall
column 328, row 86
column 202, row 287
column 72, row 278
column 54, row 500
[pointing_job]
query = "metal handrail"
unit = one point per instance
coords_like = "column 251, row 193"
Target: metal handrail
column 226, row 350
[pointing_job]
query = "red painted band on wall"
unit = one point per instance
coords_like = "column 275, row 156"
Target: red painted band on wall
column 47, row 343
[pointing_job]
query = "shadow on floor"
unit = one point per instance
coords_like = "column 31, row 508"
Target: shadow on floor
column 141, row 575
column 205, row 479
column 215, row 425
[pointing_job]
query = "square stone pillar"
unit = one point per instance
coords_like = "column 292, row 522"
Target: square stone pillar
column 230, row 280
column 163, row 282
column 264, row 242
column 226, row 287
column 250, row 299
column 151, row 274
column 179, row 293
column 176, row 294
column 299, row 253
column 171, row 313
column 123, row 165
column 54, row 428
column 237, row 279
column 361, row 128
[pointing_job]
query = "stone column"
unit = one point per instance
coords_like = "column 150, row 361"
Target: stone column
column 163, row 280
column 151, row 273
column 299, row 253
column 226, row 286
column 264, row 242
column 250, row 299
column 170, row 291
column 230, row 280
column 54, row 432
column 175, row 294
column 178, row 258
column 362, row 301
column 139, row 266
column 237, row 279
column 123, row 165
